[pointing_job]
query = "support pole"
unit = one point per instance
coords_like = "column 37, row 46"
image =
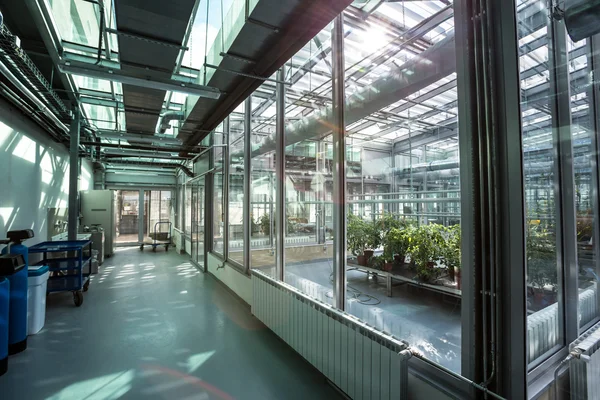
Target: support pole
column 141, row 217
column 247, row 180
column 74, row 176
column 339, row 166
column 280, row 216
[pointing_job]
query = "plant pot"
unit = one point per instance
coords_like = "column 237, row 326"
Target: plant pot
column 388, row 266
column 458, row 278
column 399, row 259
column 369, row 253
column 452, row 274
column 362, row 260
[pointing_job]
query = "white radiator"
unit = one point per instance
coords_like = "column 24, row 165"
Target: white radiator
column 363, row 362
column 543, row 327
column 585, row 371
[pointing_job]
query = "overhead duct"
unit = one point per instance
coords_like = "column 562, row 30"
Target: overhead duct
column 183, row 168
column 581, row 18
column 166, row 118
column 424, row 69
column 155, row 139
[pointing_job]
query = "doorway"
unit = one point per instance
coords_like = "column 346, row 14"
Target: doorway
column 139, row 213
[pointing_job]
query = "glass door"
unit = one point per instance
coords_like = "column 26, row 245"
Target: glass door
column 127, row 216
column 200, row 221
column 193, row 187
column 198, row 217
column 158, row 222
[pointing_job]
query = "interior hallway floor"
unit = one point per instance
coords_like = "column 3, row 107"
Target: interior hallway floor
column 153, row 327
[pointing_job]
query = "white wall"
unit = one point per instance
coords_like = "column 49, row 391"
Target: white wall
column 232, row 278
column 34, row 174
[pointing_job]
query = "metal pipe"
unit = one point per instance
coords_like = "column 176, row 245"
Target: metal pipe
column 42, row 107
column 121, row 135
column 166, row 118
column 485, row 390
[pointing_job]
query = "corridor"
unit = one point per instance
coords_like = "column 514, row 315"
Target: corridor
column 153, row 327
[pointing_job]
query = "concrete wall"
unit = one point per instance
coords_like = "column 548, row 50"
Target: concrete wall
column 34, row 174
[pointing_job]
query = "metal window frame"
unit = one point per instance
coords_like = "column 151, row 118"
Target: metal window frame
column 339, row 164
column 280, row 190
column 594, row 107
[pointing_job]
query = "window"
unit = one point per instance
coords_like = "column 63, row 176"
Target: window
column 308, row 179
column 264, row 181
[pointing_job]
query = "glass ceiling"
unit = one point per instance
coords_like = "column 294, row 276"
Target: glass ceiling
column 375, row 47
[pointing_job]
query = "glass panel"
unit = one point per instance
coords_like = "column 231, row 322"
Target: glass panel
column 236, row 186
column 540, row 179
column 127, row 216
column 403, row 189
column 584, row 153
column 308, row 180
column 264, row 181
column 218, row 214
column 199, row 209
column 79, row 21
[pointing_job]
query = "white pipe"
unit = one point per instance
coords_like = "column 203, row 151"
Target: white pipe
column 119, row 135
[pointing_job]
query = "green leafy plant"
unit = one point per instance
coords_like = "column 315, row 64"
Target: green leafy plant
column 396, row 242
column 356, row 235
column 376, row 262
column 425, row 249
column 373, row 235
column 265, row 224
column 541, row 257
column 450, row 251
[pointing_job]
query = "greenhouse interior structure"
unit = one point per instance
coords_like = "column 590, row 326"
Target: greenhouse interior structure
column 405, row 192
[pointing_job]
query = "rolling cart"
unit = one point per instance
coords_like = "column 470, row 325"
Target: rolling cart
column 159, row 237
column 67, row 274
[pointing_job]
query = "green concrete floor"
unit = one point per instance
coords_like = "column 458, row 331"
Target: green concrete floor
column 153, row 327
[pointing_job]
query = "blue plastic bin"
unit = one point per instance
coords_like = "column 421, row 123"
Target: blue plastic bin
column 14, row 267
column 4, row 307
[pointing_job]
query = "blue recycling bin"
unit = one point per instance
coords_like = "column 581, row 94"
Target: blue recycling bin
column 4, row 307
column 12, row 267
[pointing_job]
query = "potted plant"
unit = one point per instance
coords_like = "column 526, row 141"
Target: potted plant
column 265, row 224
column 396, row 243
column 451, row 253
column 377, row 262
column 356, row 237
column 425, row 250
column 372, row 236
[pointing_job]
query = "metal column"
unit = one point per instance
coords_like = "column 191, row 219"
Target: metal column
column 492, row 197
column 564, row 191
column 339, row 165
column 247, row 180
column 225, row 209
column 74, row 176
column 280, row 217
